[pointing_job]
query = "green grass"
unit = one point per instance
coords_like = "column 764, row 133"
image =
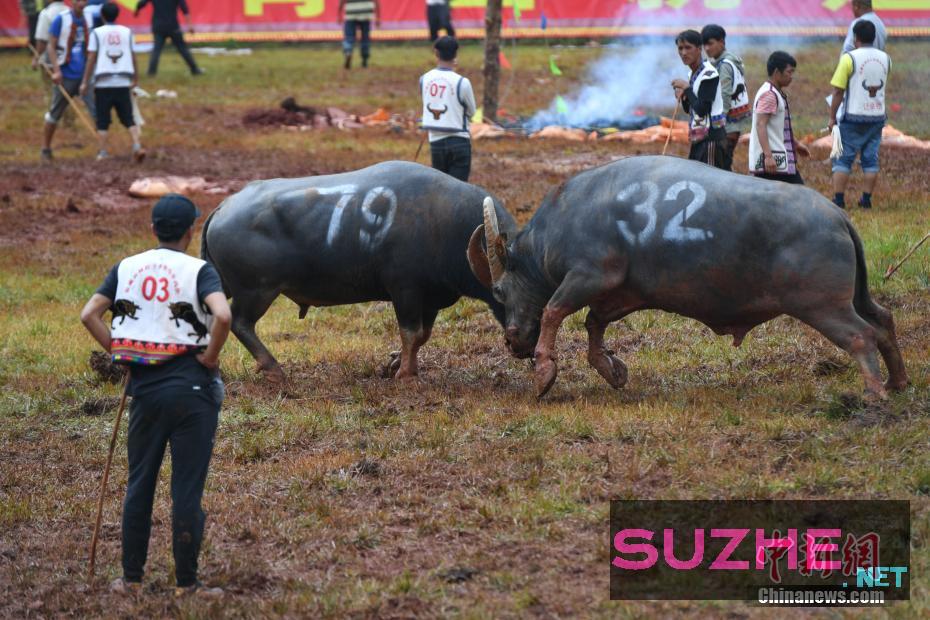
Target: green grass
column 471, row 471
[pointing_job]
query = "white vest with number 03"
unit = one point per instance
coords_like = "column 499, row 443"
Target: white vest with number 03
column 161, row 284
column 114, row 50
column 774, row 129
column 443, row 109
column 865, row 94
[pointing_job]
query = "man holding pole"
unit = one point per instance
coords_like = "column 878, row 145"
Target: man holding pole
column 448, row 103
column 700, row 97
column 170, row 320
column 67, row 47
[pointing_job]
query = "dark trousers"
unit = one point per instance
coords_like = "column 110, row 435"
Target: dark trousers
column 106, row 99
column 794, row 179
column 177, row 37
column 186, row 419
column 453, row 156
column 439, row 17
column 33, row 22
column 348, row 36
column 713, row 152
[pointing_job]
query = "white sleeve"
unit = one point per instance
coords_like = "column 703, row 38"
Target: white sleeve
column 468, row 98
column 92, row 43
column 42, row 26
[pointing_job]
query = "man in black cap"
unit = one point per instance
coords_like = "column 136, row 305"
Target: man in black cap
column 448, row 104
column 169, row 321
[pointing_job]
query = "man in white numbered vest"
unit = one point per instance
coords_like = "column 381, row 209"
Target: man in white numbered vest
column 113, row 70
column 733, row 89
column 700, row 98
column 859, row 83
column 169, row 321
column 773, row 151
column 448, row 103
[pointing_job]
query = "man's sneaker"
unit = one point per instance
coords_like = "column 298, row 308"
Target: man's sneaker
column 46, row 155
column 121, row 586
column 138, row 153
column 101, row 155
column 197, row 71
column 198, row 589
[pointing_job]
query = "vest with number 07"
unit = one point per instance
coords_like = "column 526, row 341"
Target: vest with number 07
column 157, row 314
column 443, row 109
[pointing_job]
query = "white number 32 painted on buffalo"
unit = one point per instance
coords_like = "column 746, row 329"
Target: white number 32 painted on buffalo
column 676, row 229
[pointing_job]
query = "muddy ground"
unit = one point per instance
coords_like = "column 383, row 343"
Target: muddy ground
column 344, row 494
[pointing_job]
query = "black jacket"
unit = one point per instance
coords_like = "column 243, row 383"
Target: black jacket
column 164, row 14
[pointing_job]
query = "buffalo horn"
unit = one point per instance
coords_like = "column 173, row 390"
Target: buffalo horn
column 496, row 251
column 478, row 258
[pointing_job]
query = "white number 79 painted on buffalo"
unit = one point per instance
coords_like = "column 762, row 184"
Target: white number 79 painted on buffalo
column 676, row 229
column 374, row 225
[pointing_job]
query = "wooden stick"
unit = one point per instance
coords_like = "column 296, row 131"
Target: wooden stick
column 77, row 110
column 420, row 148
column 672, row 126
column 894, row 268
column 106, row 476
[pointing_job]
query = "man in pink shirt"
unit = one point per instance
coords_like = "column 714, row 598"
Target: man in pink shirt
column 772, row 148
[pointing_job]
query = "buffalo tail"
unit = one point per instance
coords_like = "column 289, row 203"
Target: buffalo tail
column 862, row 300
column 205, row 250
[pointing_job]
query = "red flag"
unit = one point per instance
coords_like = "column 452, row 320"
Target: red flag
column 505, row 64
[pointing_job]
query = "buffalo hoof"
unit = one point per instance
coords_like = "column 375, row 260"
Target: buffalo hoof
column 405, row 373
column 546, row 371
column 876, row 395
column 274, row 375
column 897, row 386
column 612, row 369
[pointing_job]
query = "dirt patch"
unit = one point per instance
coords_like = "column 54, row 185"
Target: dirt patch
column 106, row 370
column 98, row 406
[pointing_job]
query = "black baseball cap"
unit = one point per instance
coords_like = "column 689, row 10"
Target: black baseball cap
column 173, row 214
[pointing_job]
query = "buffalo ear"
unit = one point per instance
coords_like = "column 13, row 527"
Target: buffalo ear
column 478, row 258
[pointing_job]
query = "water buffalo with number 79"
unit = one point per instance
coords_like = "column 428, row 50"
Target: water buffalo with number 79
column 664, row 233
column 395, row 231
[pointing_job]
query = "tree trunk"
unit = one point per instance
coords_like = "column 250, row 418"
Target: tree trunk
column 492, row 64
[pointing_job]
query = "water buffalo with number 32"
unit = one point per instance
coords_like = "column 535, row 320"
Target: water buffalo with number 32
column 664, row 233
column 395, row 231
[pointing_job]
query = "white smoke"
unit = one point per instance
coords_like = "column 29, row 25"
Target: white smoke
column 627, row 78
column 634, row 76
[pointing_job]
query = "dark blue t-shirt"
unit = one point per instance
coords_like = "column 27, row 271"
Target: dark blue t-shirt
column 183, row 370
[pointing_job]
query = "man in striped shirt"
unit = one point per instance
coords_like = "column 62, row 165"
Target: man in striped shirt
column 357, row 16
column 773, row 150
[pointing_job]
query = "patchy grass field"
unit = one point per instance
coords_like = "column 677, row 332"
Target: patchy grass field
column 349, row 495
